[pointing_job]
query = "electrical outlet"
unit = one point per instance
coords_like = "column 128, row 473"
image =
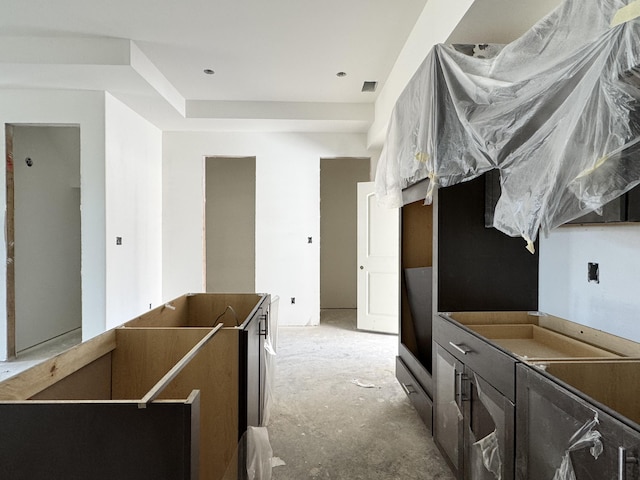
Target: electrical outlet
column 118, row 240
column 309, row 240
column 293, row 300
column 593, row 272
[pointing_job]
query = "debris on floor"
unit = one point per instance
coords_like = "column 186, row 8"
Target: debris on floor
column 357, row 382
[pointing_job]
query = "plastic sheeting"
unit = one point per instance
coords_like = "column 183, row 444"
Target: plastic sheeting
column 270, row 346
column 586, row 437
column 554, row 112
column 486, row 456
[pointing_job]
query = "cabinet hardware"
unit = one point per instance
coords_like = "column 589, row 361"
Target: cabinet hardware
column 459, row 388
column 264, row 320
column 623, row 460
column 408, row 389
column 463, row 349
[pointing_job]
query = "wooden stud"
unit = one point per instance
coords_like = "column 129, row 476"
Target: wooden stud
column 10, row 238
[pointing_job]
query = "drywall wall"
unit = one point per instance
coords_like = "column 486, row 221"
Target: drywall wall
column 133, row 151
column 46, row 171
column 86, row 110
column 230, row 225
column 436, row 22
column 339, row 179
column 612, row 304
column 287, row 211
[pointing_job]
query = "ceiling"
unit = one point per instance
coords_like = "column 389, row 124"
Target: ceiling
column 275, row 61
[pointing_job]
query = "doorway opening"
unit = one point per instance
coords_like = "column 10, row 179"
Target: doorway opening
column 44, row 291
column 230, row 219
column 339, row 179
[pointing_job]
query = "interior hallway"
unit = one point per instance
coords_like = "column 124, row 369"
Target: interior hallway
column 338, row 411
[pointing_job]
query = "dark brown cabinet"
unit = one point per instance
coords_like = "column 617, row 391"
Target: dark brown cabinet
column 561, row 433
column 473, row 420
column 452, row 262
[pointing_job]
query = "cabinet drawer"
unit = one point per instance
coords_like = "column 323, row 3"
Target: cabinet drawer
column 492, row 364
column 418, row 397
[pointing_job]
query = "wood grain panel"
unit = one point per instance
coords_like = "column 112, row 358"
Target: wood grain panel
column 619, row 345
column 417, row 235
column 10, row 239
column 612, row 383
column 42, row 376
column 171, row 314
column 206, row 310
column 92, row 382
column 144, row 355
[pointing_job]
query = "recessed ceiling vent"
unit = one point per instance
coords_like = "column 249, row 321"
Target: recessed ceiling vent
column 369, row 86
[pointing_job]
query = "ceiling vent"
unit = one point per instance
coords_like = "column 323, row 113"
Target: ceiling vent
column 369, row 86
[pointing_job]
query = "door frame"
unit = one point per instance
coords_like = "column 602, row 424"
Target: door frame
column 10, row 239
column 10, row 235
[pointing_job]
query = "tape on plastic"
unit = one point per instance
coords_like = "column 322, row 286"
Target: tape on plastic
column 626, row 14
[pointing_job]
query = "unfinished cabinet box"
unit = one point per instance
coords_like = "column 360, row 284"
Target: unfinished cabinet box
column 245, row 313
column 143, row 402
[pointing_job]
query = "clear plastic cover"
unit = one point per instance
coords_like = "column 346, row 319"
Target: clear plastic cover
column 254, row 458
column 270, row 346
column 486, row 452
column 586, row 437
column 554, row 111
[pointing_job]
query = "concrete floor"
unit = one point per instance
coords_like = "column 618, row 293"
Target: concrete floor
column 324, row 422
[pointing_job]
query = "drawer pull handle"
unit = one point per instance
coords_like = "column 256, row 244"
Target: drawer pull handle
column 623, row 459
column 463, row 349
column 408, row 389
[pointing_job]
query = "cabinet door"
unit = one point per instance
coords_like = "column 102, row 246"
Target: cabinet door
column 448, row 424
column 489, row 443
column 563, row 436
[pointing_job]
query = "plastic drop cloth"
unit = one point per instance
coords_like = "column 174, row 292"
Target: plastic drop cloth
column 587, row 436
column 554, row 111
column 270, row 346
column 487, row 452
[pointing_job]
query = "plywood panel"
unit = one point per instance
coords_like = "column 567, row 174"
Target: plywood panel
column 621, row 346
column 531, row 341
column 42, row 376
column 92, row 382
column 145, row 355
column 492, row 318
column 614, row 384
column 209, row 309
column 417, row 235
column 173, row 314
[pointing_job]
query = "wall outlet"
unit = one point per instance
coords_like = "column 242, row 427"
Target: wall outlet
column 293, row 300
column 118, row 240
column 593, row 272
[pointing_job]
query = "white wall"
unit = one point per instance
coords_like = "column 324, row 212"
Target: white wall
column 613, row 305
column 287, row 211
column 85, row 109
column 133, row 172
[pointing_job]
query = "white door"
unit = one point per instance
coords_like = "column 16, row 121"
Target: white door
column 378, row 263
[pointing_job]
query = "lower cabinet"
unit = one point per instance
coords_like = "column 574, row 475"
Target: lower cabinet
column 167, row 395
column 562, row 436
column 473, row 421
